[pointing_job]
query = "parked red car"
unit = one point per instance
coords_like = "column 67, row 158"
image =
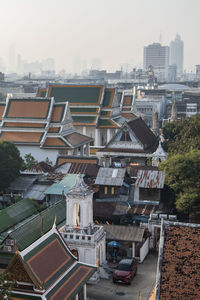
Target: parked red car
column 125, row 271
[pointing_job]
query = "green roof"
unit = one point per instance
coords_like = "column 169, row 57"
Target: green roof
column 24, row 296
column 75, row 94
column 104, row 122
column 107, row 98
column 63, row 186
column 38, row 225
column 16, row 213
column 83, row 119
column 83, row 110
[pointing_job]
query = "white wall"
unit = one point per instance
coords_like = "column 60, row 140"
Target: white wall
column 144, row 250
column 39, row 154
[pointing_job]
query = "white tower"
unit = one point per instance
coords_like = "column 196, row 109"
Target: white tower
column 80, row 233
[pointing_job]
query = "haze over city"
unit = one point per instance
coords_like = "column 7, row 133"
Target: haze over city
column 113, row 31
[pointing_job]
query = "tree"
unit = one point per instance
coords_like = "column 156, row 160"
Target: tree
column 11, row 163
column 182, row 174
column 6, row 286
column 182, row 135
column 29, row 161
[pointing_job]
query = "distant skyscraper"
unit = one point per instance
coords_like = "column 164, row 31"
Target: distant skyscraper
column 96, row 64
column 12, row 58
column 176, row 53
column 158, row 57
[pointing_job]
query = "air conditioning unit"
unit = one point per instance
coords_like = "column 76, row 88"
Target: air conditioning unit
column 9, row 242
column 7, row 248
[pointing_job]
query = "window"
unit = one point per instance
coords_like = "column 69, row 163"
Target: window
column 112, row 190
column 105, row 190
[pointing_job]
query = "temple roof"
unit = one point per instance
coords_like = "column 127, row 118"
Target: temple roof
column 77, row 94
column 39, row 121
column 2, row 107
column 49, row 264
column 31, row 108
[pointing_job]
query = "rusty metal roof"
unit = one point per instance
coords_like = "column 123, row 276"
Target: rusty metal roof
column 110, row 176
column 150, row 179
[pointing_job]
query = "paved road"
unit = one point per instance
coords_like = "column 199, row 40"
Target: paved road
column 143, row 282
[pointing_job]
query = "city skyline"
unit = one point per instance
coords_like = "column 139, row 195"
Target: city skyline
column 111, row 32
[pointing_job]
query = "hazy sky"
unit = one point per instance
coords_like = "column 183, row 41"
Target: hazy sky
column 113, row 30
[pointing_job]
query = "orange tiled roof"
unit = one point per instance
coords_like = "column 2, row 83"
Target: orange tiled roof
column 28, row 108
column 54, row 129
column 21, row 137
column 54, row 142
column 2, row 106
column 180, row 263
column 21, row 124
column 57, row 113
column 127, row 101
column 76, row 138
column 62, row 160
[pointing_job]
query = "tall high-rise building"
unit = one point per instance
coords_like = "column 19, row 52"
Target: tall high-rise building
column 176, row 53
column 12, row 58
column 157, row 56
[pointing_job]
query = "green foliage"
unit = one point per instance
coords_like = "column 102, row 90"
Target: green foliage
column 29, row 161
column 6, row 286
column 182, row 136
column 11, row 163
column 182, row 173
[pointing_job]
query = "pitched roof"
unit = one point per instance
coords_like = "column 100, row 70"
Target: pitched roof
column 31, row 108
column 110, row 176
column 15, row 213
column 60, row 278
column 127, row 100
column 150, row 179
column 2, row 107
column 142, row 132
column 63, row 186
column 73, row 281
column 142, row 209
column 124, row 233
column 21, row 137
column 81, row 159
column 55, row 142
column 77, row 94
column 41, row 223
column 76, row 138
column 41, row 92
column 108, row 97
column 179, row 262
column 57, row 113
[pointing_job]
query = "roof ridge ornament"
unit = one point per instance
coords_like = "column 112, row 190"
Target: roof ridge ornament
column 79, row 187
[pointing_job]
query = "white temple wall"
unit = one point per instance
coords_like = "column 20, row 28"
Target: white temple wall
column 38, row 153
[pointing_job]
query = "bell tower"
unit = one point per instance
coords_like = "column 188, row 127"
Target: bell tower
column 84, row 237
column 79, row 208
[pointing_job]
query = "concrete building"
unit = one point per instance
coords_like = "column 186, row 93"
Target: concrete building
column 176, row 53
column 157, row 56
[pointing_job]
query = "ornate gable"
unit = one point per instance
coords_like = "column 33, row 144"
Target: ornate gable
column 18, row 271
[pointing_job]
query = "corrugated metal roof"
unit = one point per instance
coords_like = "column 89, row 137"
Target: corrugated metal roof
column 150, row 179
column 110, row 176
column 36, row 192
column 22, row 183
column 124, row 233
column 38, row 225
column 63, row 186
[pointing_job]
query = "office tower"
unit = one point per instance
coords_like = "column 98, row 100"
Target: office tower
column 12, row 58
column 176, row 53
column 157, row 56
